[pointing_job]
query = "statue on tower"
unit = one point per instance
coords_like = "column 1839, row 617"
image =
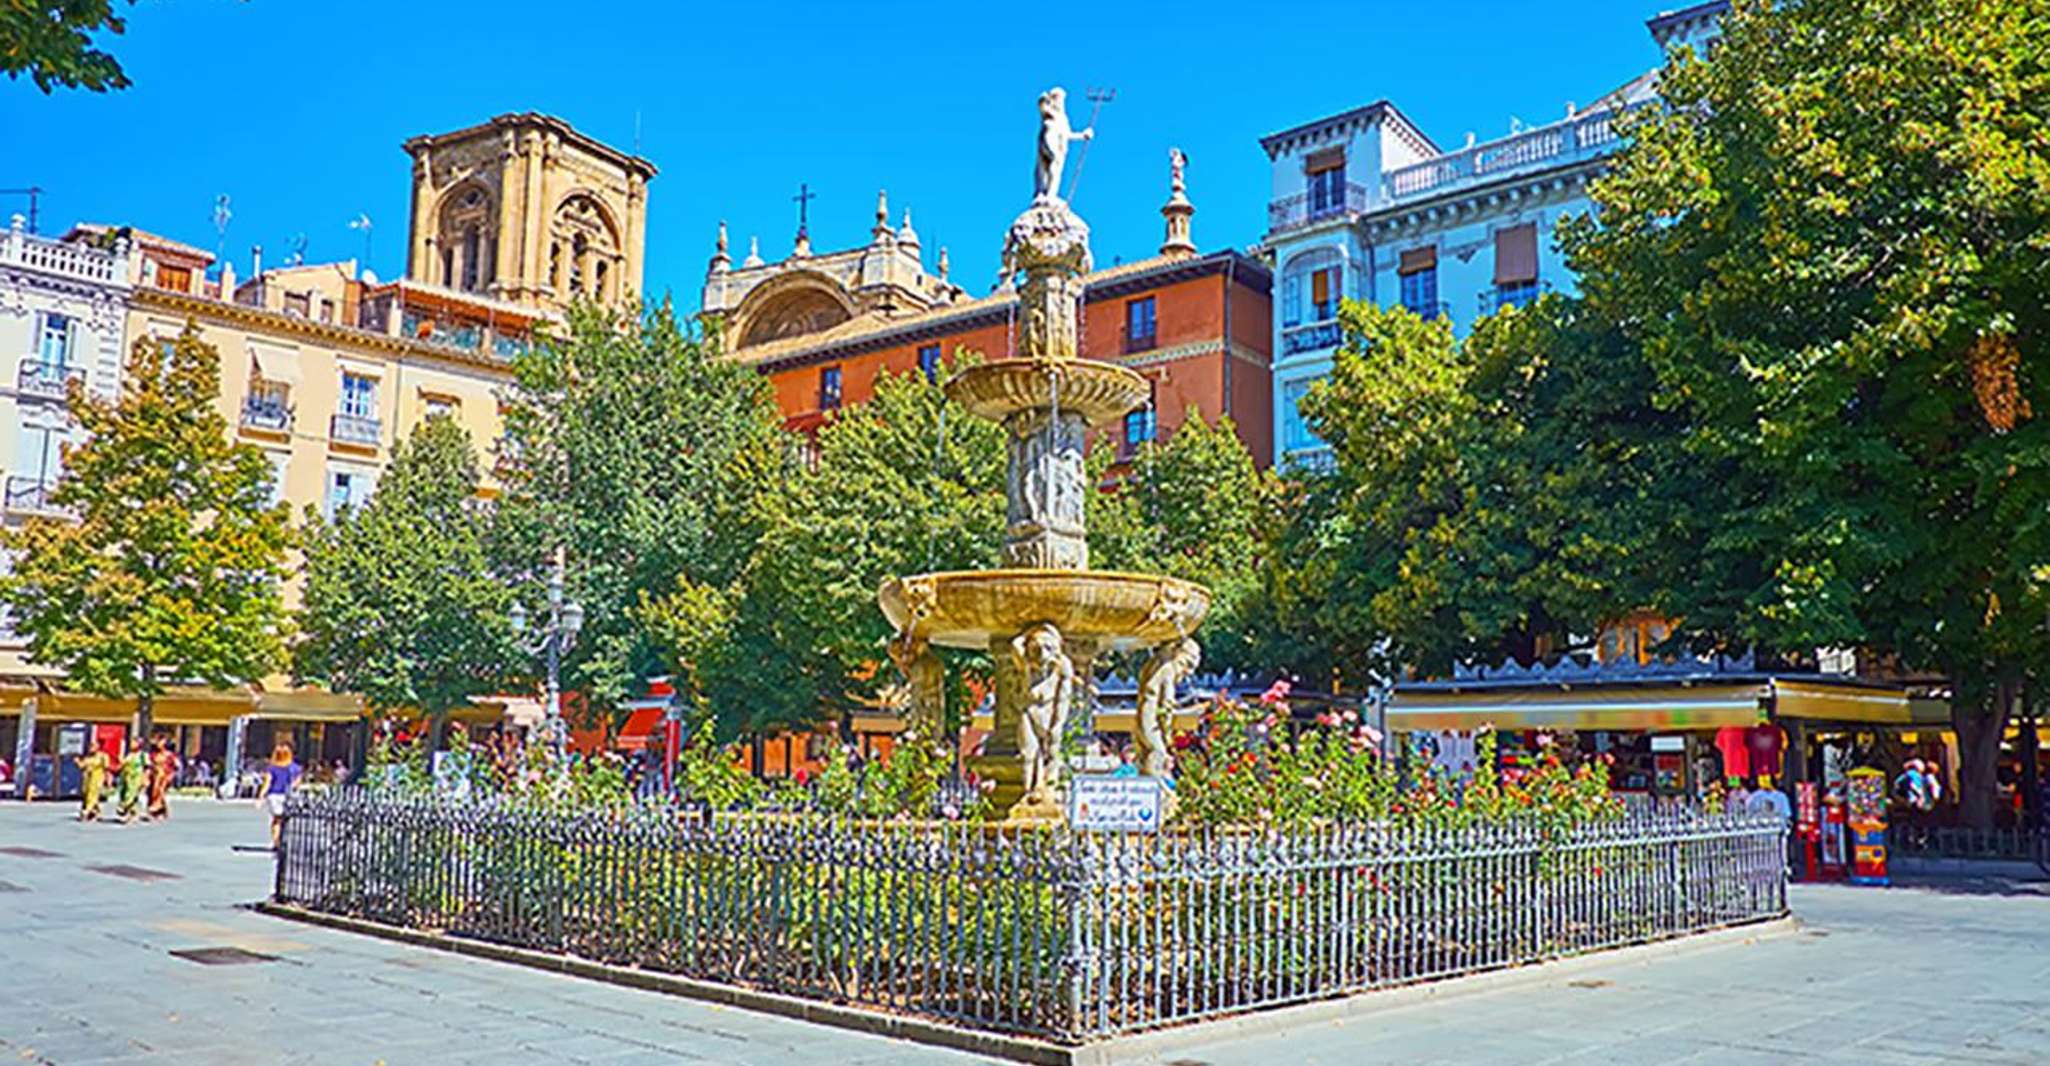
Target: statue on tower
column 1054, row 137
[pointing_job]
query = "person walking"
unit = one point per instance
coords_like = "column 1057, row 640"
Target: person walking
column 283, row 778
column 92, row 771
column 129, row 784
column 163, row 766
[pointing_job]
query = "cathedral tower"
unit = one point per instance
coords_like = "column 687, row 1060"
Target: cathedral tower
column 525, row 209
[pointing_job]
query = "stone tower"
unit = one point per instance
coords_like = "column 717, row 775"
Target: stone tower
column 525, row 209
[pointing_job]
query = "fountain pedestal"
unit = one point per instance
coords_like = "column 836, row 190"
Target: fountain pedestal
column 1045, row 616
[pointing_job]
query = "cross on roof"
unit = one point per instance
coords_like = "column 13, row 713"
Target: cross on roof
column 804, row 197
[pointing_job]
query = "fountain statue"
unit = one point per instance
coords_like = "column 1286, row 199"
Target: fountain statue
column 1045, row 616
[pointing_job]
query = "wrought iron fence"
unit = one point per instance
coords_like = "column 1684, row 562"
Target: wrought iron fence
column 1064, row 935
column 1961, row 842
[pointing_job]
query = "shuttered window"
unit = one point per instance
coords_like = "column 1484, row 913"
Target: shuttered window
column 1516, row 254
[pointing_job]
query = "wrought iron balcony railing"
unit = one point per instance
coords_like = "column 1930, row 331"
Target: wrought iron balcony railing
column 29, row 494
column 1310, row 337
column 1303, row 209
column 268, row 406
column 50, row 381
column 355, row 429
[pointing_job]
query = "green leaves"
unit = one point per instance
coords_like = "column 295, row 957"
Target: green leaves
column 402, row 603
column 171, row 570
column 51, row 41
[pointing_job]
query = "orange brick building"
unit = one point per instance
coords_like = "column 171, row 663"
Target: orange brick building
column 822, row 327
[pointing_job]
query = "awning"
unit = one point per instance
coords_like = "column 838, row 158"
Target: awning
column 1630, row 709
column 309, row 705
column 1841, row 703
column 642, row 729
column 176, row 705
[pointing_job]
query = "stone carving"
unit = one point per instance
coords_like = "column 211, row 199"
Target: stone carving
column 1047, row 681
column 1054, row 137
column 1176, row 162
column 921, row 595
column 925, row 684
column 1170, row 664
column 1175, row 607
column 1045, row 491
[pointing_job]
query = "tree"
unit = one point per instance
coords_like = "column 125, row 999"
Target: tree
column 1829, row 247
column 401, row 602
column 642, row 451
column 906, row 483
column 52, row 43
column 170, row 571
column 1192, row 506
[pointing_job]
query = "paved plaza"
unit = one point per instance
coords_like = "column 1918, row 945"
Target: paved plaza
column 1950, row 971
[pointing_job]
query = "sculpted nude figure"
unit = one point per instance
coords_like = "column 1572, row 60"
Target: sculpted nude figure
column 1049, row 684
column 1054, row 138
column 1169, row 665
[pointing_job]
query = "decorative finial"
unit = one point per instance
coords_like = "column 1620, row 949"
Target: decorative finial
column 881, row 231
column 907, row 237
column 1177, row 244
column 721, row 262
column 943, row 262
column 754, row 253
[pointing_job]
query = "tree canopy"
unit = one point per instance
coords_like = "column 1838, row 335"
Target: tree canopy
column 53, row 44
column 401, row 602
column 165, row 565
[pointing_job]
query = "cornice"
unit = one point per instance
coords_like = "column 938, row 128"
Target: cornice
column 324, row 332
column 1471, row 200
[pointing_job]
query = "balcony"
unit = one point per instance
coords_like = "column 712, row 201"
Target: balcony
column 1428, row 310
column 267, row 407
column 1521, row 294
column 48, row 381
column 1581, row 137
column 1303, row 209
column 1310, row 337
column 68, row 258
column 28, row 494
column 445, row 331
column 355, row 429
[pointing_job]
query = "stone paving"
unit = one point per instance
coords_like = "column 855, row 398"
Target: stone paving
column 1950, row 971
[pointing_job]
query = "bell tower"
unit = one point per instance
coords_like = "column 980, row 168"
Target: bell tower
column 523, row 208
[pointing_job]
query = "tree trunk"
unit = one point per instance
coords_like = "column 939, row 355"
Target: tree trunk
column 2027, row 743
column 1980, row 728
column 145, row 718
column 437, row 728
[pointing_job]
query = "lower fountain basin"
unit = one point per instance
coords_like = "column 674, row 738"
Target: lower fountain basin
column 1116, row 611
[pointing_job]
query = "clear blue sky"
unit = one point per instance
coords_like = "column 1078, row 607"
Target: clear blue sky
column 296, row 110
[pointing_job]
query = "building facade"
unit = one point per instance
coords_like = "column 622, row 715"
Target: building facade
column 823, row 327
column 1366, row 206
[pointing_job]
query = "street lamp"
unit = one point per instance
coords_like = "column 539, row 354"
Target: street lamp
column 555, row 638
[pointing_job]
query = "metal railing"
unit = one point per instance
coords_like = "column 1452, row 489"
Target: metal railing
column 1303, row 209
column 268, row 406
column 1065, row 935
column 29, row 494
column 355, row 429
column 51, row 381
column 1310, row 337
column 1960, row 842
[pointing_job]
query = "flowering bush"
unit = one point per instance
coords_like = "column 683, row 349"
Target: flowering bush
column 1245, row 765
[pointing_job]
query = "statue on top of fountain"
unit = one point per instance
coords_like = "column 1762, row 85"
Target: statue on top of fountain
column 1049, row 234
column 1054, row 137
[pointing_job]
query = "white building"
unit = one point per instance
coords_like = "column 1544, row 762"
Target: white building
column 1366, row 206
column 63, row 318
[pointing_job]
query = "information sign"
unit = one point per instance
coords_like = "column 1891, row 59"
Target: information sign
column 1114, row 804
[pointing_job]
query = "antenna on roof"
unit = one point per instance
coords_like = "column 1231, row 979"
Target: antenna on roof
column 298, row 253
column 637, row 131
column 221, row 217
column 32, row 192
column 362, row 222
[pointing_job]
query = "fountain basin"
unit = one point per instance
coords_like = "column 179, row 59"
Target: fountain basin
column 1100, row 392
column 1110, row 609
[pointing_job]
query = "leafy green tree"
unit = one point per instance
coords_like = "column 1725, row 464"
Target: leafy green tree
column 52, row 42
column 401, row 601
column 643, row 452
column 1191, row 506
column 906, row 483
column 167, row 568
column 1829, row 245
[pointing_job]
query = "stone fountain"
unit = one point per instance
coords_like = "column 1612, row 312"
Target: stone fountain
column 1045, row 616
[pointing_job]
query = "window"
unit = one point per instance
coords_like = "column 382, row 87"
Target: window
column 1325, row 173
column 1419, row 272
column 347, row 487
column 470, row 262
column 278, row 463
column 829, row 388
column 448, row 268
column 174, row 278
column 53, row 346
column 327, row 310
column 1516, row 265
column 1325, row 286
column 440, row 406
column 555, row 266
column 1295, row 431
column 1139, row 429
column 929, row 362
column 359, row 395
column 299, row 304
column 41, row 453
column 1139, row 324
column 599, row 291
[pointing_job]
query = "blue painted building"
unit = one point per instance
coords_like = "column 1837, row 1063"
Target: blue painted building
column 1366, row 206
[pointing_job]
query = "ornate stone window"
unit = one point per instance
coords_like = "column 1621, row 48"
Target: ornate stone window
column 468, row 239
column 583, row 224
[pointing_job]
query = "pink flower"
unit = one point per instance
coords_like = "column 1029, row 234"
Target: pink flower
column 1372, row 735
column 1276, row 692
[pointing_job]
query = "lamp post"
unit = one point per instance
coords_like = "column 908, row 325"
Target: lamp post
column 555, row 637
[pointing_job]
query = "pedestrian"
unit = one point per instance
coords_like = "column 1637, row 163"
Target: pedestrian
column 163, row 766
column 129, row 783
column 92, row 770
column 284, row 777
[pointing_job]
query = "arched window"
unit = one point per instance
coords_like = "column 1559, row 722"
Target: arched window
column 584, row 224
column 555, row 267
column 466, row 226
column 601, row 291
column 578, row 250
column 471, row 246
column 448, row 267
column 1311, row 287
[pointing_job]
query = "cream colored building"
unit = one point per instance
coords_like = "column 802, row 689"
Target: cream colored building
column 325, row 368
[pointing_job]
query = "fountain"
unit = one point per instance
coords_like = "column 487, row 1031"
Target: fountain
column 1045, row 616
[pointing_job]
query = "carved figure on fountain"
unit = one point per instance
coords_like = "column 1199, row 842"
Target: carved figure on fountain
column 1046, row 680
column 1054, row 137
column 1170, row 664
column 925, row 684
column 1045, row 491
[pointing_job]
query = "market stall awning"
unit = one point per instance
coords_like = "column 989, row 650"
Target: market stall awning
column 1632, row 708
column 309, row 705
column 176, row 705
column 642, row 728
column 1839, row 703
